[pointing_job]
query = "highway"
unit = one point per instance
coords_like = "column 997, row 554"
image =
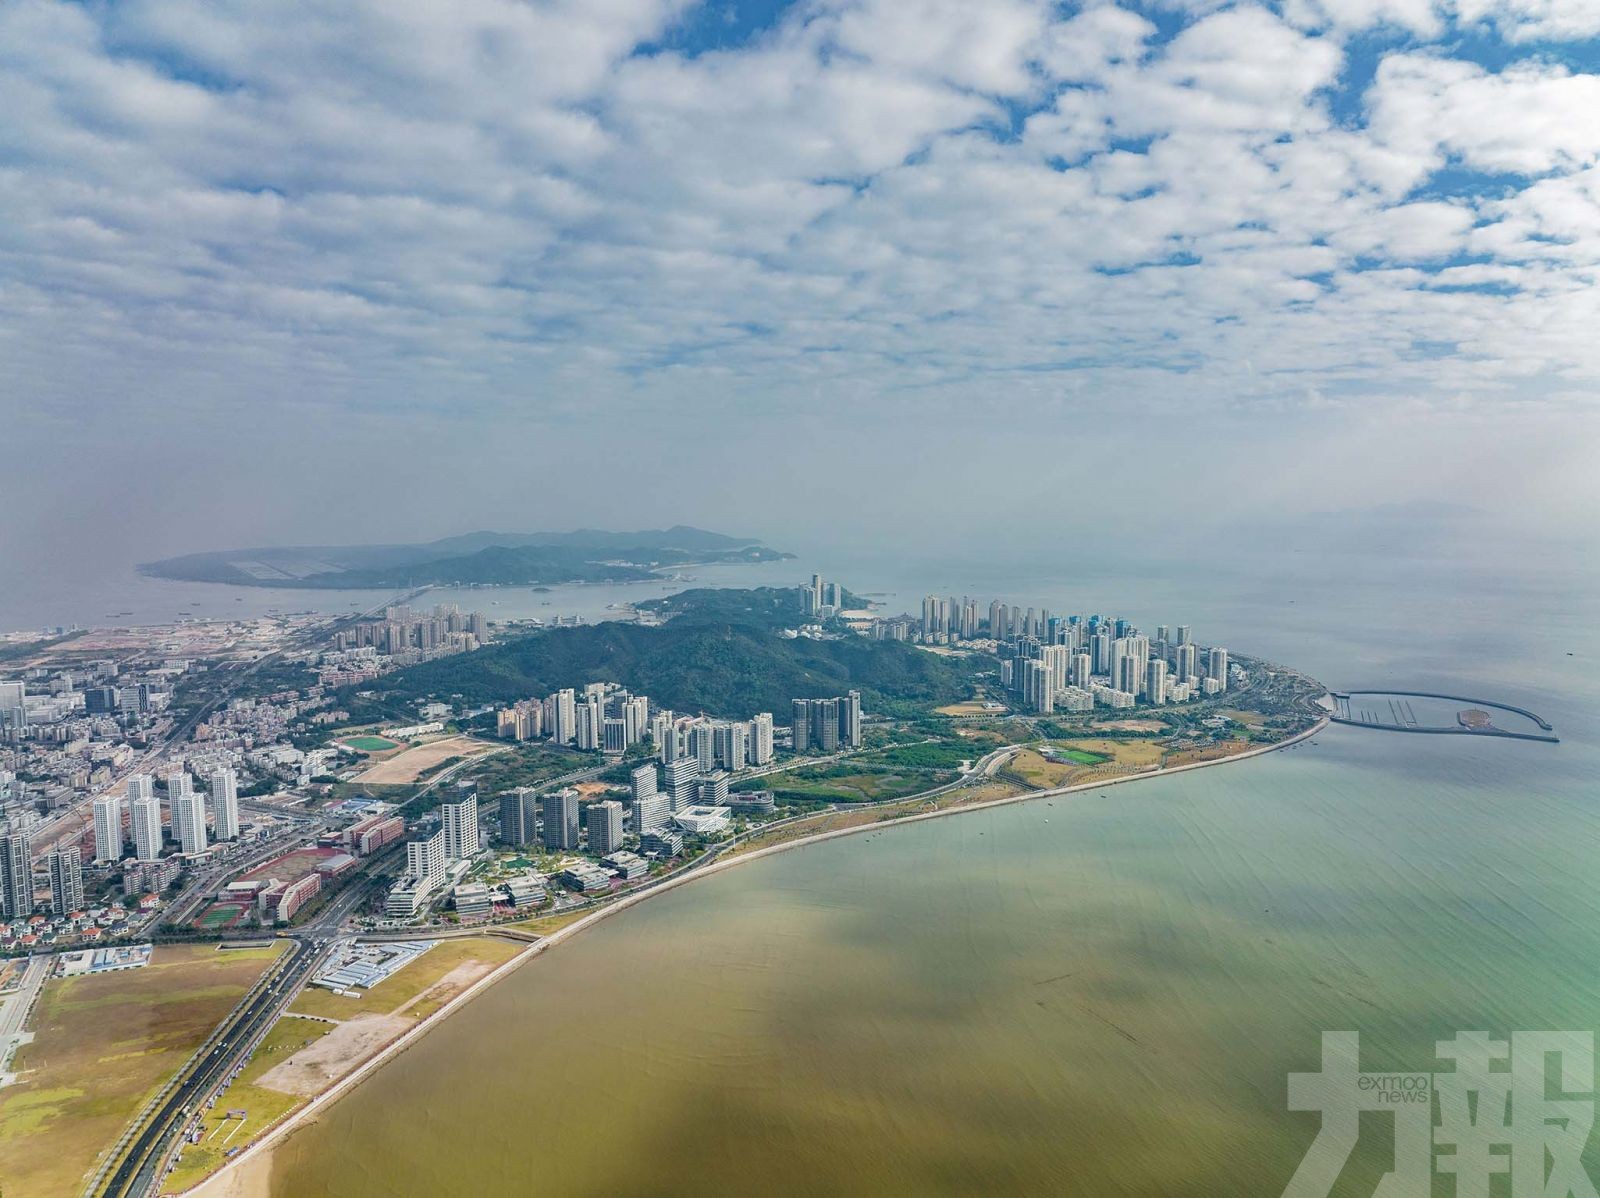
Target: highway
column 149, row 1158
column 142, row 1164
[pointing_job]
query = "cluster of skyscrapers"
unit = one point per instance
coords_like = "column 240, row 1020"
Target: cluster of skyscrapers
column 1072, row 663
column 186, row 810
column 401, row 630
column 827, row 724
column 557, row 819
column 705, row 745
column 1075, row 664
column 430, row 855
column 604, row 716
column 821, row 599
column 65, row 867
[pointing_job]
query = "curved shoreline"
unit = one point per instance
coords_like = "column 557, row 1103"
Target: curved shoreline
column 212, row 1186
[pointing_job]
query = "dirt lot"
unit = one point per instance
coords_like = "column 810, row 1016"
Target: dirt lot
column 410, row 765
column 314, row 1068
column 970, row 709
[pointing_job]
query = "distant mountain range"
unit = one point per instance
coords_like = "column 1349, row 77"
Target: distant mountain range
column 485, row 558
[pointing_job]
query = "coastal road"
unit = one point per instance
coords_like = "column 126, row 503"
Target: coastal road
column 142, row 1166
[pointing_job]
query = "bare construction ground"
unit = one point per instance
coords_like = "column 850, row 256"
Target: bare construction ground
column 314, row 1068
column 414, row 762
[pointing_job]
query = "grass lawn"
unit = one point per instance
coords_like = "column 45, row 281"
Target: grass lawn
column 370, row 744
column 544, row 925
column 1081, row 756
column 1214, row 752
column 525, row 765
column 103, row 1045
column 264, row 1107
column 1034, row 769
column 398, row 989
column 398, row 793
column 889, row 773
column 833, row 821
column 943, row 754
column 1000, row 732
column 1136, row 754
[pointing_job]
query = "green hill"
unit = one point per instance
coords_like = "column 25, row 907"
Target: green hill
column 720, row 667
column 765, row 607
column 519, row 559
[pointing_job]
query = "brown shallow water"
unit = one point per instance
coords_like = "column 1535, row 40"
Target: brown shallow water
column 1099, row 995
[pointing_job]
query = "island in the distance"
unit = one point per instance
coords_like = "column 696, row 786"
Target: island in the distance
column 475, row 559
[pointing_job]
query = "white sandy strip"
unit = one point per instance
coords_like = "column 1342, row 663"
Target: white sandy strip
column 352, row 1079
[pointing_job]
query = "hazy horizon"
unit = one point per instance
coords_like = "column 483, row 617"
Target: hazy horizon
column 826, row 272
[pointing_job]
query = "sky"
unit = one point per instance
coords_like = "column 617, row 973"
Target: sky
column 834, row 270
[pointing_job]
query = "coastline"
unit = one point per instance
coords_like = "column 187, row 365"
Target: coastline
column 229, row 1182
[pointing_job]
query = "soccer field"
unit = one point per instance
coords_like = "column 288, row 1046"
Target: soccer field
column 1081, row 756
column 370, row 744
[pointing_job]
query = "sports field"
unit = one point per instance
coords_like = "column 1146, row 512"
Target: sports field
column 292, row 865
column 370, row 744
column 220, row 915
column 104, row 1043
column 1081, row 756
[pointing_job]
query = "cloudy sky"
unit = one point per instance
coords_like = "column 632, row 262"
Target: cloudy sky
column 272, row 270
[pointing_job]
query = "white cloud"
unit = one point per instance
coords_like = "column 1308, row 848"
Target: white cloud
column 502, row 206
column 1421, row 17
column 1534, row 20
column 1530, row 118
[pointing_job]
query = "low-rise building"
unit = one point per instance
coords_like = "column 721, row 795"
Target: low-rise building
column 408, row 896
column 473, row 900
column 526, row 891
column 281, row 903
column 663, row 842
column 703, row 821
column 712, row 790
column 586, row 877
column 628, row 865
